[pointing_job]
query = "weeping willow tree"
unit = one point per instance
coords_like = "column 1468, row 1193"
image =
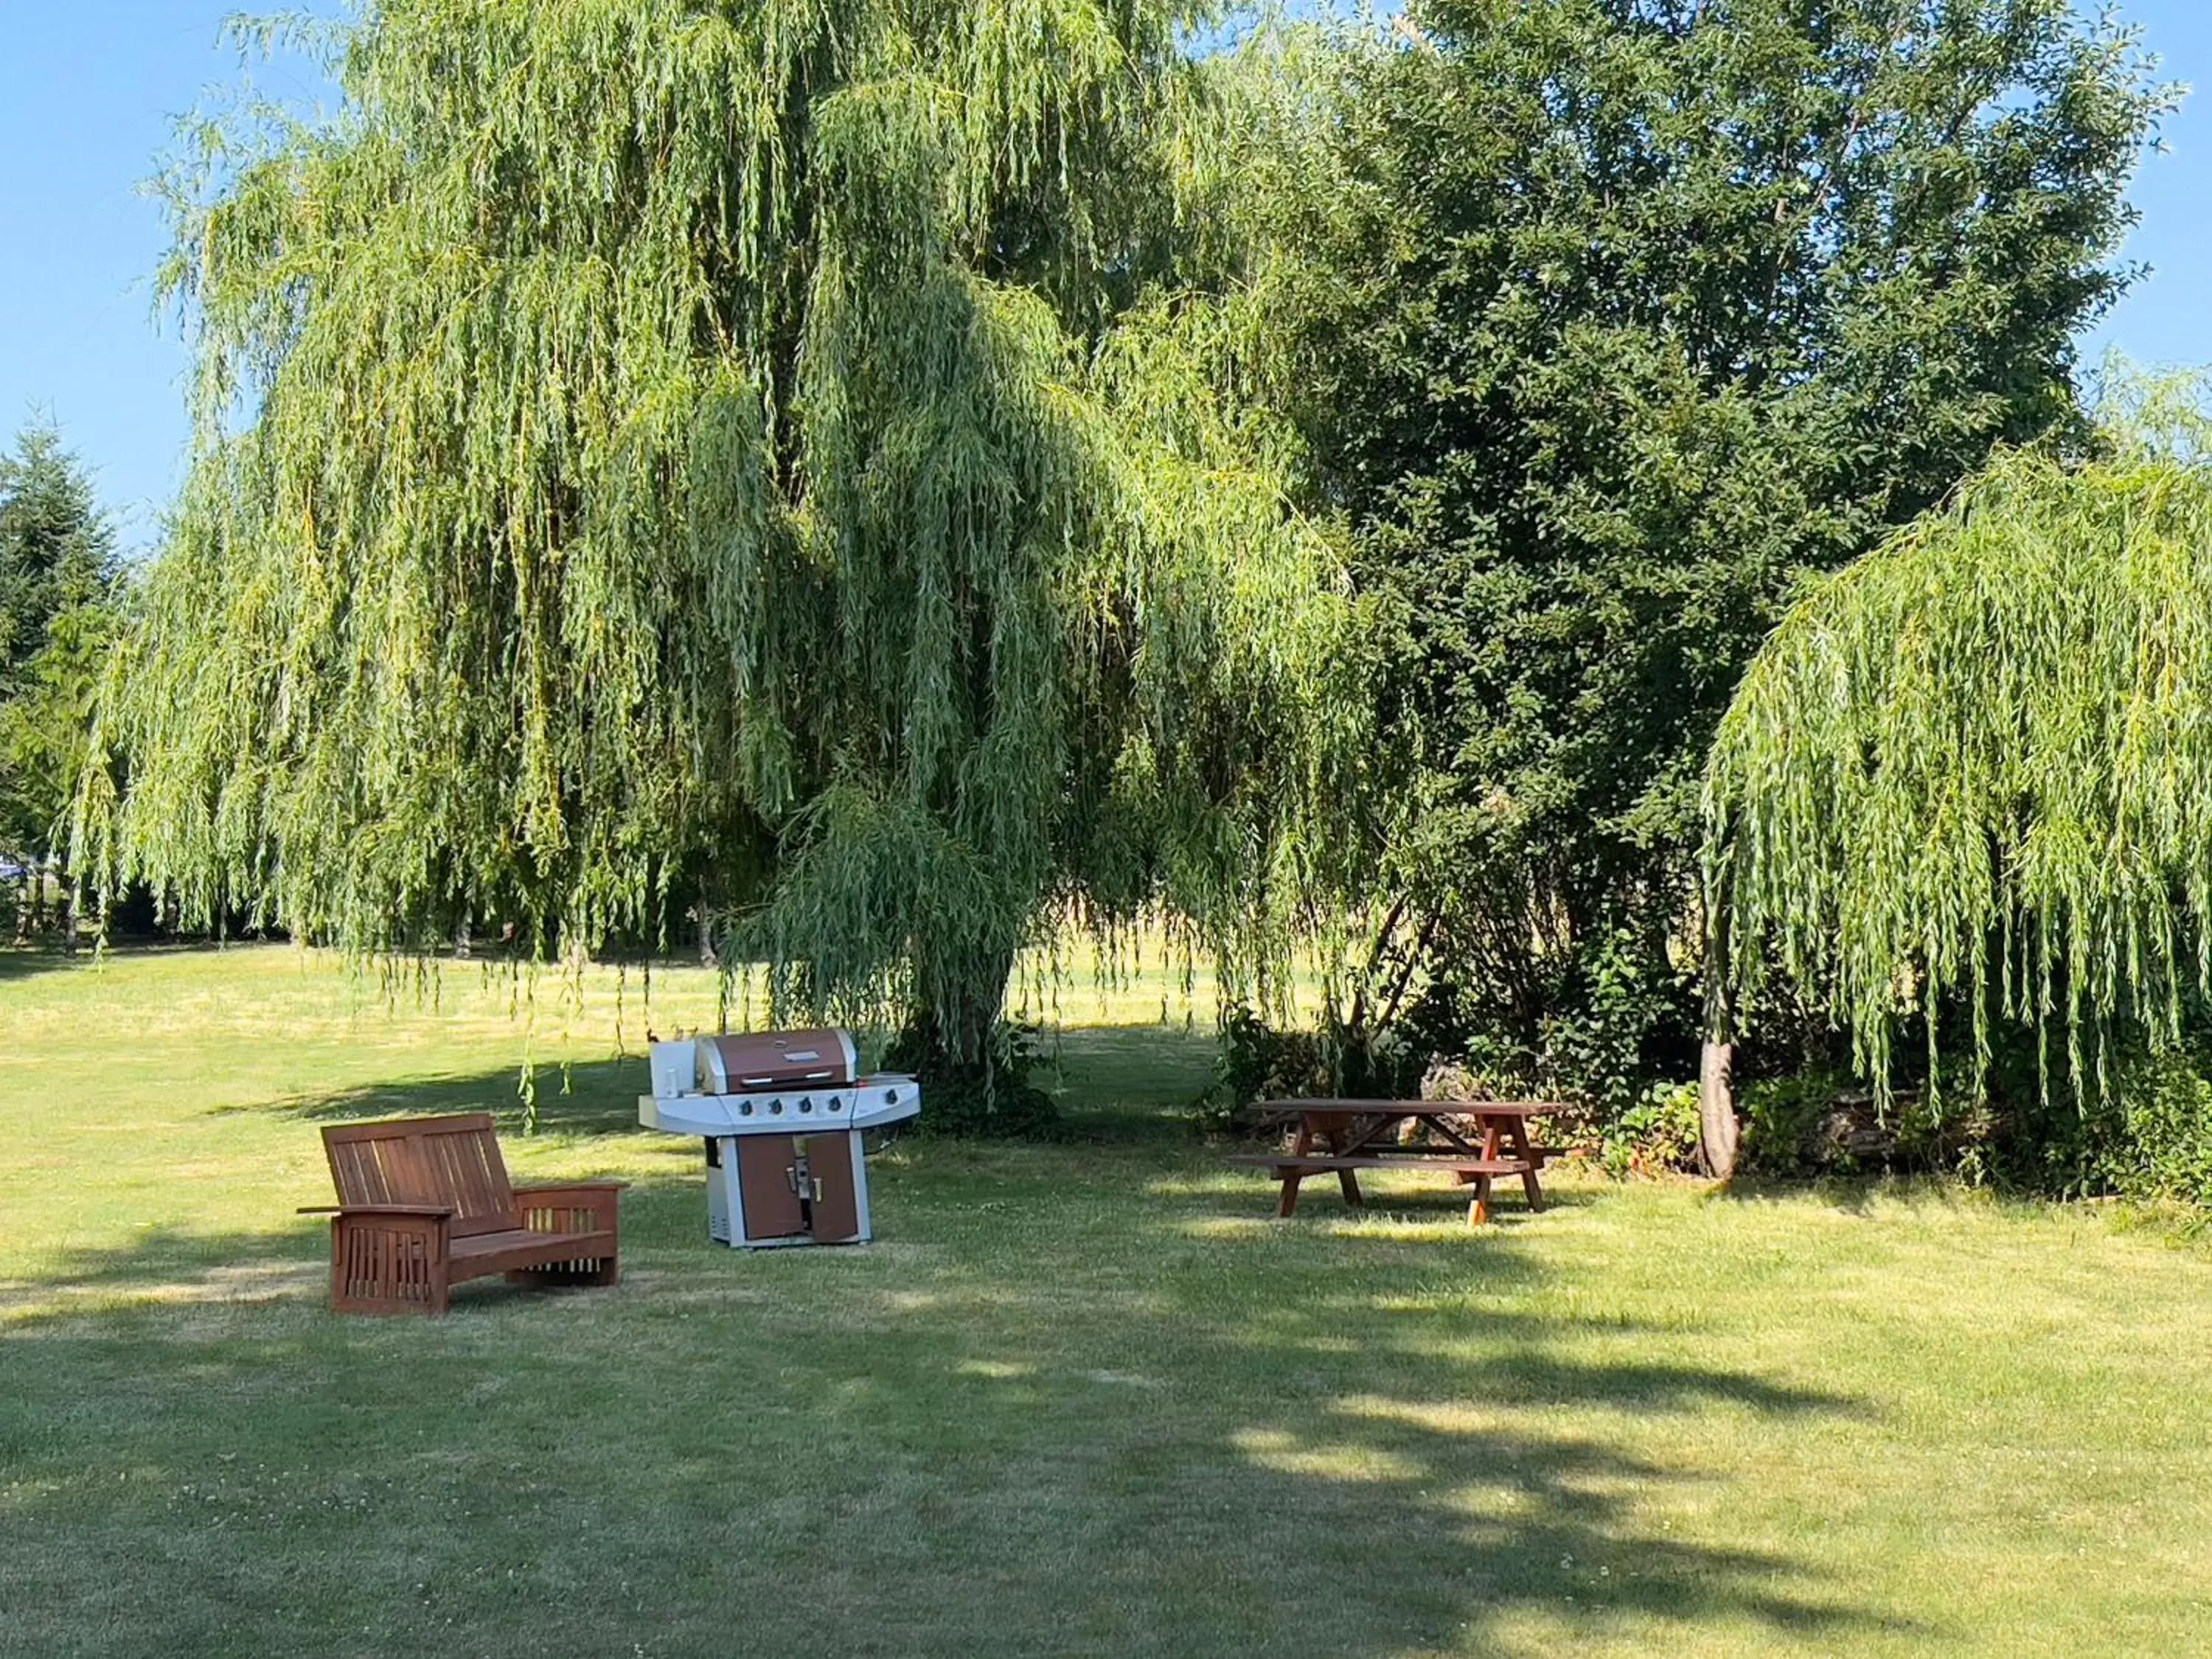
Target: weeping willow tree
column 1976, row 768
column 797, row 451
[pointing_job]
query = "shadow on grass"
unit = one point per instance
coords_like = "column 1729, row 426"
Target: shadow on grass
column 162, row 1264
column 19, row 962
column 23, row 961
column 171, row 1266
column 1852, row 1194
column 593, row 1097
column 1249, row 1195
column 1089, row 1067
column 1116, row 1085
column 1024, row 1431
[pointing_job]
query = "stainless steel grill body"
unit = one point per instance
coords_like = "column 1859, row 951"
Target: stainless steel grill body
column 781, row 1114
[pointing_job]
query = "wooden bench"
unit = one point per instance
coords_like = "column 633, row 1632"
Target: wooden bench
column 424, row 1203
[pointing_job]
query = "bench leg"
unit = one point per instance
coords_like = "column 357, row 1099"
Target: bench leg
column 1478, row 1209
column 389, row 1265
column 590, row 1270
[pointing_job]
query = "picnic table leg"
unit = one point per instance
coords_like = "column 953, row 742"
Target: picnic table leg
column 1288, row 1203
column 1347, row 1181
column 1478, row 1209
column 1489, row 1149
column 1518, row 1132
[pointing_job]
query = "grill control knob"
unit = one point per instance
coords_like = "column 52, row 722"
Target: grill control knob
column 744, row 1108
column 775, row 1108
column 806, row 1105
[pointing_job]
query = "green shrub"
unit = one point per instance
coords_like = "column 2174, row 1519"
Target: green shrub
column 995, row 1101
column 1819, row 1121
column 1259, row 1061
column 1658, row 1135
column 2147, row 1135
column 1597, row 1049
column 2165, row 1113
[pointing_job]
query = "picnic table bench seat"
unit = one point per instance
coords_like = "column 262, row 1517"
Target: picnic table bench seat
column 1344, row 1136
column 1291, row 1168
column 425, row 1203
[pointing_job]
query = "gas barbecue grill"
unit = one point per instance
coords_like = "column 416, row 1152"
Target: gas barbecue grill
column 781, row 1114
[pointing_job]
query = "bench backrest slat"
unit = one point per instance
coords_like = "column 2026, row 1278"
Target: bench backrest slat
column 425, row 1160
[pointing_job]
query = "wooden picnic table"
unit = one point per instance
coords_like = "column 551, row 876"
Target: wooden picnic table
column 1347, row 1136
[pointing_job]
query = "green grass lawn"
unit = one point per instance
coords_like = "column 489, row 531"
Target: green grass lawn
column 1085, row 1399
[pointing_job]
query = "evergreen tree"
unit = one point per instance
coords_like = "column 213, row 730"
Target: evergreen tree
column 59, row 578
column 56, row 547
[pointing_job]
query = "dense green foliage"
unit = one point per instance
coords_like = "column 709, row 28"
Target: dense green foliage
column 2147, row 1137
column 868, row 472
column 58, row 589
column 1623, row 316
column 779, row 456
column 1968, row 774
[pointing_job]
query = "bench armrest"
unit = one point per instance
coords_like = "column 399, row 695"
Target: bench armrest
column 567, row 1206
column 441, row 1210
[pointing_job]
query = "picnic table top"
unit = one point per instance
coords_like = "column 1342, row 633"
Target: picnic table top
column 1412, row 1108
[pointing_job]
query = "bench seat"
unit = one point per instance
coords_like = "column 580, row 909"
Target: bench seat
column 1292, row 1168
column 1316, row 1163
column 520, row 1248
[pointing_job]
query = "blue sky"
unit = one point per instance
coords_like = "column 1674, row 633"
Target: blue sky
column 88, row 89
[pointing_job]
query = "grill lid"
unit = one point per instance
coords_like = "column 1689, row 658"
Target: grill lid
column 777, row 1060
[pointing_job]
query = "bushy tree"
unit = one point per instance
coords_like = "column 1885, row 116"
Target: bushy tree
column 1625, row 315
column 774, row 449
column 1963, row 784
column 58, row 580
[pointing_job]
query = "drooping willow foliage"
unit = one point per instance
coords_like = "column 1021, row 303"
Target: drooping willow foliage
column 780, row 453
column 1977, row 764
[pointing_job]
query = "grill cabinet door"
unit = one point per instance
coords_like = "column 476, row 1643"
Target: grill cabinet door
column 767, row 1167
column 836, row 1203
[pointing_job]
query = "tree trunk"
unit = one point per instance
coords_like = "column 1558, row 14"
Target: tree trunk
column 972, row 1082
column 69, row 919
column 709, row 908
column 1718, row 1131
column 954, row 1029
